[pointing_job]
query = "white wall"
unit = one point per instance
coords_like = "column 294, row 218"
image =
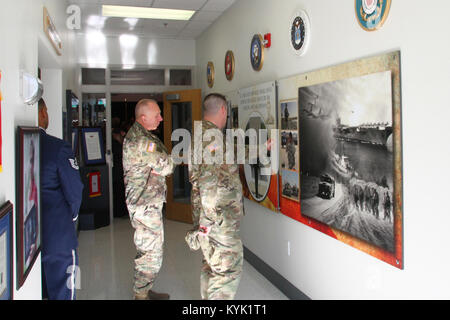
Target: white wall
column 322, row 267
column 21, row 35
column 95, row 50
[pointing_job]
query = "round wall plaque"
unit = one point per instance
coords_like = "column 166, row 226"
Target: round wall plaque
column 210, row 74
column 371, row 14
column 229, row 65
column 257, row 52
column 300, row 32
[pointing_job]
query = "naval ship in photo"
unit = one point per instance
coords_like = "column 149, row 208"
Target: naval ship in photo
column 370, row 133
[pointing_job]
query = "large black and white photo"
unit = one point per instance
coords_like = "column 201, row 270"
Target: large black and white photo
column 346, row 156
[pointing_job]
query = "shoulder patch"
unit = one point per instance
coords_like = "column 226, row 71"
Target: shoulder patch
column 151, row 146
column 74, row 164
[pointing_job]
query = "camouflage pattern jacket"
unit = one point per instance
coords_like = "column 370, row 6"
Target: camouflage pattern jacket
column 143, row 155
column 216, row 194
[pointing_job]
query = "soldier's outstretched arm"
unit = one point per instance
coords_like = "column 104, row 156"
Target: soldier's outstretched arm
column 69, row 177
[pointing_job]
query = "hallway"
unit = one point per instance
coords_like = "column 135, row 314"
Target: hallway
column 106, row 266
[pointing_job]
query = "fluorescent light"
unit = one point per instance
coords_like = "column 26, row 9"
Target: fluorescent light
column 146, row 13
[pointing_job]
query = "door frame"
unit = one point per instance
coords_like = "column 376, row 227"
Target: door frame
column 176, row 210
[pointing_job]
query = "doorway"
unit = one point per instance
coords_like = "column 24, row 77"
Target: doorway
column 122, row 118
column 181, row 109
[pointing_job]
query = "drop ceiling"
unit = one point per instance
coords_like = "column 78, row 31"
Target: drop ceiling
column 207, row 11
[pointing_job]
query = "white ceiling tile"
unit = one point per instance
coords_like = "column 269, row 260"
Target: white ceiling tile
column 206, row 15
column 190, row 34
column 217, row 5
column 207, row 12
column 179, row 4
column 163, row 24
column 198, row 25
column 132, row 3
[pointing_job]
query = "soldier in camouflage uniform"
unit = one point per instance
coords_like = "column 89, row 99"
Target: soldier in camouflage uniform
column 217, row 208
column 146, row 163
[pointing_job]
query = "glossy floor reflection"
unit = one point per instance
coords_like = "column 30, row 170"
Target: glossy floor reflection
column 106, row 266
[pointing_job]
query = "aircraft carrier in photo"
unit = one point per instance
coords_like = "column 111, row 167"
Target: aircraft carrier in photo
column 371, row 133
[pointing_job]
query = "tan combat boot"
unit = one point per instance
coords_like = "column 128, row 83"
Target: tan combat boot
column 152, row 295
column 141, row 296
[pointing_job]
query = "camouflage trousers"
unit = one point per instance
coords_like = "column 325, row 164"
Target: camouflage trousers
column 222, row 268
column 149, row 239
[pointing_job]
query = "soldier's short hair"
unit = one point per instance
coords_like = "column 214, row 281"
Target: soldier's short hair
column 140, row 106
column 213, row 102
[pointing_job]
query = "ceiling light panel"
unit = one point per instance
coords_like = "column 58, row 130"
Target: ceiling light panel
column 179, row 4
column 146, row 13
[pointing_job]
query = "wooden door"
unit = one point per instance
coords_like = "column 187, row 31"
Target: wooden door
column 181, row 109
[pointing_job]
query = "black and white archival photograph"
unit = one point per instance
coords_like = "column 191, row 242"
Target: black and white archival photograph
column 346, row 156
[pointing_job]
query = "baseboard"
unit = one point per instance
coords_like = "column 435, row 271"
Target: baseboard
column 274, row 277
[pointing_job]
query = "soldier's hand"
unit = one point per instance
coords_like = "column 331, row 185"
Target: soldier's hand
column 204, row 231
column 155, row 173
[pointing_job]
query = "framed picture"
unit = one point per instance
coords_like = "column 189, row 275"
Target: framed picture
column 28, row 218
column 6, row 251
column 290, row 185
column 93, row 148
column 52, row 33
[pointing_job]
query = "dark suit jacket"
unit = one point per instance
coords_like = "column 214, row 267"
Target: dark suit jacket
column 61, row 194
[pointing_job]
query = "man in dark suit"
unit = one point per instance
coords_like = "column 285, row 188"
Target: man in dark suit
column 61, row 194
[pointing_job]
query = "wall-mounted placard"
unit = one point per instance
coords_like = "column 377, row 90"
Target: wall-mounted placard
column 371, row 14
column 93, row 148
column 257, row 111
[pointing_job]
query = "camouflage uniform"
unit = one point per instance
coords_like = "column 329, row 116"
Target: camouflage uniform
column 145, row 192
column 216, row 199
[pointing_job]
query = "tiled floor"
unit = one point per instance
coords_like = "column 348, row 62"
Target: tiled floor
column 106, row 266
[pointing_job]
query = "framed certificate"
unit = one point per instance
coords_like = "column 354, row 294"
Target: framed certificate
column 6, row 251
column 93, row 148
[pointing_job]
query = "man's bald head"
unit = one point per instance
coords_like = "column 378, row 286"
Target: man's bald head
column 148, row 114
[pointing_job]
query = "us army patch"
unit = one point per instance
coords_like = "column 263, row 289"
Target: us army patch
column 74, row 164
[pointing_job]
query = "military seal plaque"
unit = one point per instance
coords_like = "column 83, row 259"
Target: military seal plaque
column 229, row 65
column 371, row 14
column 210, row 74
column 257, row 52
column 300, row 32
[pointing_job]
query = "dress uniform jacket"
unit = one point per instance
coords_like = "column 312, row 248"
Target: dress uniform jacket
column 61, row 194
